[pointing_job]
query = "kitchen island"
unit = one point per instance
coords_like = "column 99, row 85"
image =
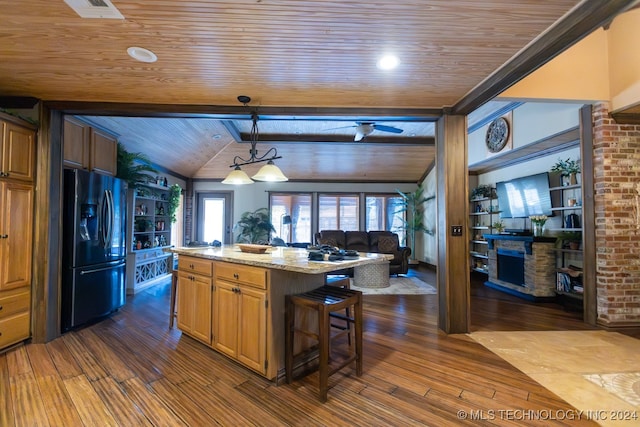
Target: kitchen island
column 234, row 302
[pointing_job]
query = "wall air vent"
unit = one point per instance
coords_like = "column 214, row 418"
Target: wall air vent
column 95, row 9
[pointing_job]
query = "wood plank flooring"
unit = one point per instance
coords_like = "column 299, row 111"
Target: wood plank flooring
column 132, row 370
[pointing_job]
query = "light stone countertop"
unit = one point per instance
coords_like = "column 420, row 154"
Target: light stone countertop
column 280, row 258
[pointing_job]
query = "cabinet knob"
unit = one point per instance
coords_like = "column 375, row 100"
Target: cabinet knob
column 191, row 266
column 1, row 173
column 0, row 307
column 236, row 276
column 4, row 236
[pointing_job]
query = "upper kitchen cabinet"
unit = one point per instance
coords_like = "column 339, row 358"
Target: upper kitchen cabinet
column 86, row 147
column 17, row 150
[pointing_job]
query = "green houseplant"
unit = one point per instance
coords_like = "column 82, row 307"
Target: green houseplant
column 254, row 227
column 567, row 168
column 132, row 167
column 412, row 204
column 174, row 201
column 481, row 191
column 570, row 239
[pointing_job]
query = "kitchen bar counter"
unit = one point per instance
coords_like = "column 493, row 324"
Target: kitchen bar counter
column 281, row 258
column 234, row 302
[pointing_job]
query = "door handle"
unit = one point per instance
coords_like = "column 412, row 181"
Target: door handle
column 4, row 236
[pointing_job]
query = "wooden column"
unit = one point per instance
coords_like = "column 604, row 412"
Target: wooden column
column 47, row 228
column 452, row 191
column 590, row 302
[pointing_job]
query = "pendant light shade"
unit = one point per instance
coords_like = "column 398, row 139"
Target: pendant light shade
column 237, row 177
column 270, row 173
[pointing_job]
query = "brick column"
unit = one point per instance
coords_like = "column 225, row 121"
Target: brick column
column 616, row 156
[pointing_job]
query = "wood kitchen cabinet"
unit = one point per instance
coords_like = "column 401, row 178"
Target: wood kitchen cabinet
column 17, row 162
column 17, row 151
column 86, row 147
column 16, row 230
column 240, row 314
column 195, row 293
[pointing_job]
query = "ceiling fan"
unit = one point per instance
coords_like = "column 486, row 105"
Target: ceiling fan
column 366, row 128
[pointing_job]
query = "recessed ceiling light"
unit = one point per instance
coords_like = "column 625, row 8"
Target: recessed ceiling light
column 388, row 62
column 141, row 54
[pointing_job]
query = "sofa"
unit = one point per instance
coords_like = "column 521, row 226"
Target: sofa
column 369, row 241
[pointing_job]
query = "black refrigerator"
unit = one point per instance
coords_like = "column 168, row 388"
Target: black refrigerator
column 94, row 247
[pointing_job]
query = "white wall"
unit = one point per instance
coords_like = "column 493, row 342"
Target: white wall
column 532, row 121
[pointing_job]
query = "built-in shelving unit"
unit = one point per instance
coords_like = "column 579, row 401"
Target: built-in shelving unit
column 483, row 212
column 149, row 233
column 569, row 261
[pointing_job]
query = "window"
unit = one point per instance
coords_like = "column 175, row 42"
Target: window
column 385, row 213
column 338, row 212
column 298, row 207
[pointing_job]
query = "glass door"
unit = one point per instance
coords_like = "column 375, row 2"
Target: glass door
column 215, row 218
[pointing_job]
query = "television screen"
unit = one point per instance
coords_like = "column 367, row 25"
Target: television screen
column 525, row 196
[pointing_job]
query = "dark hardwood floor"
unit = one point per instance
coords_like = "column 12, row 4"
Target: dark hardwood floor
column 131, row 369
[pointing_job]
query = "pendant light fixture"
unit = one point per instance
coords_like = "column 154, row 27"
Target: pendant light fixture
column 269, row 172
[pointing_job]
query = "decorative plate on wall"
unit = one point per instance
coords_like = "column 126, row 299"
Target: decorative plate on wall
column 498, row 137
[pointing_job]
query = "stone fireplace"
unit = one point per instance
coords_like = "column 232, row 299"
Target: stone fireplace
column 522, row 265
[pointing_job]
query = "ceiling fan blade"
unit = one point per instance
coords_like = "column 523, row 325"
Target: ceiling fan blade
column 384, row 128
column 359, row 136
column 342, row 127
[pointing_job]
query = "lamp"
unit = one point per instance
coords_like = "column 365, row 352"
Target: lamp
column 269, row 172
column 285, row 220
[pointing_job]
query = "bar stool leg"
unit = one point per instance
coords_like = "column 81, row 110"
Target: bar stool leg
column 324, row 331
column 358, row 330
column 174, row 287
column 290, row 313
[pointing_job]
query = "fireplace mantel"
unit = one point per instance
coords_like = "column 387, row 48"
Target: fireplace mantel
column 528, row 240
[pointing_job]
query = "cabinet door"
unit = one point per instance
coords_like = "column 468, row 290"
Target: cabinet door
column 103, row 153
column 226, row 318
column 185, row 294
column 76, row 144
column 18, row 152
column 252, row 328
column 16, row 231
column 202, row 295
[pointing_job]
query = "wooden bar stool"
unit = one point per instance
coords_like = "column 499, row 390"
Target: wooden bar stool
column 324, row 301
column 174, row 287
column 344, row 283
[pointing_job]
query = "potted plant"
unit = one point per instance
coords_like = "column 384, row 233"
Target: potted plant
column 143, row 224
column 254, row 227
column 481, row 192
column 567, row 168
column 132, row 167
column 414, row 223
column 498, row 226
column 570, row 239
column 174, row 200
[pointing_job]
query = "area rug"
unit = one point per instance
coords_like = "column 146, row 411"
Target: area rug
column 400, row 286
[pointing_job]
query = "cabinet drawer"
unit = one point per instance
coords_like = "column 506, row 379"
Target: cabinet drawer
column 14, row 302
column 252, row 276
column 14, row 329
column 195, row 265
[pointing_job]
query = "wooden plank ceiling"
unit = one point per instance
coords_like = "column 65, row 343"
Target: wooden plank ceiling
column 284, row 54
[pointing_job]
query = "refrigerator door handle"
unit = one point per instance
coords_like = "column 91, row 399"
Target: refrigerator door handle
column 107, row 219
column 95, row 270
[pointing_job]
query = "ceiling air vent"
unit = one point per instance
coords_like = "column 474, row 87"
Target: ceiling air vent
column 95, row 9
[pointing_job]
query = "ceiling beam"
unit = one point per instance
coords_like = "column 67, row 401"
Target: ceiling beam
column 244, row 112
column 568, row 30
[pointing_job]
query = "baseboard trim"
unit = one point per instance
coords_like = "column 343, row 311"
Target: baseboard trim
column 522, row 295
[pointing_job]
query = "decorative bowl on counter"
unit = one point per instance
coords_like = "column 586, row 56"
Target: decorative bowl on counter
column 253, row 249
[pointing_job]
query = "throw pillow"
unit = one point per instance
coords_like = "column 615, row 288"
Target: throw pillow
column 387, row 244
column 329, row 241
